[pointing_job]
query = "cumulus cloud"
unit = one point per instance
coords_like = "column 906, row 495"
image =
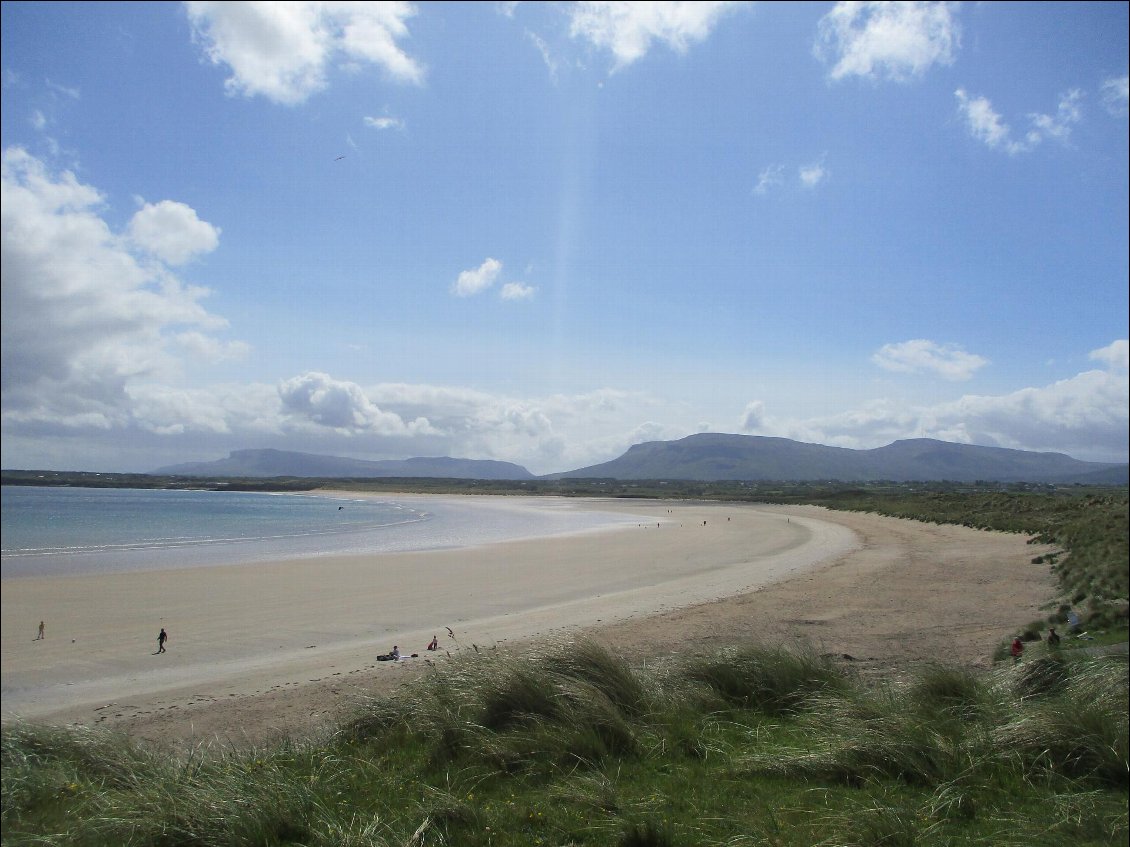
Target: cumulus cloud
column 320, row 399
column 283, row 50
column 628, row 29
column 1116, row 94
column 887, row 40
column 1116, row 356
column 986, row 125
column 478, row 279
column 211, row 349
column 922, row 356
column 172, row 232
column 516, row 291
column 84, row 318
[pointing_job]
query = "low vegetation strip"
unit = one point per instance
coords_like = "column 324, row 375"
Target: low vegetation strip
column 573, row 746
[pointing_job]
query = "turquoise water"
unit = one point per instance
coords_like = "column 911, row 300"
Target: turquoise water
column 51, row 531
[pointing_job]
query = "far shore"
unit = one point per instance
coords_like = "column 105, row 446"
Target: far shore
column 267, row 649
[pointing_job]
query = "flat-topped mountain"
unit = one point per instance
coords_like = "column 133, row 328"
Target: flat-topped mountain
column 271, row 463
column 714, row 456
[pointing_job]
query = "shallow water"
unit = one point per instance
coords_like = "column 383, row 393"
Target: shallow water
column 54, row 531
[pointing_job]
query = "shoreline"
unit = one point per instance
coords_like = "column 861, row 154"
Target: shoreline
column 285, row 646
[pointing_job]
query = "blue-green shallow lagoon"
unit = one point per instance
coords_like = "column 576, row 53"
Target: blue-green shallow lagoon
column 55, row 531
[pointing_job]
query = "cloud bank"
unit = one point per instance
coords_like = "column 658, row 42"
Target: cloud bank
column 87, row 311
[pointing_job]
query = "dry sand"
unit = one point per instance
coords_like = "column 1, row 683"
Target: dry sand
column 263, row 650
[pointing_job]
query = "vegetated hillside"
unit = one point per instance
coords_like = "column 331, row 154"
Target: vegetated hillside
column 713, row 456
column 272, row 463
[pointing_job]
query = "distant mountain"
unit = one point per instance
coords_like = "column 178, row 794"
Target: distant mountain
column 271, row 463
column 711, row 456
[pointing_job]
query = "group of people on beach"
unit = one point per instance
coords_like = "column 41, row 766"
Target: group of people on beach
column 394, row 655
column 162, row 637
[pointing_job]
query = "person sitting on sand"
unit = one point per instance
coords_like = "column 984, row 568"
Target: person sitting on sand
column 433, row 644
column 1016, row 649
column 1053, row 637
column 394, row 654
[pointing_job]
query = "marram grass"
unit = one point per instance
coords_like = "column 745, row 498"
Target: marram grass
column 572, row 745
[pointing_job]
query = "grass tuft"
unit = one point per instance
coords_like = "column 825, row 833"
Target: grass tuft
column 772, row 680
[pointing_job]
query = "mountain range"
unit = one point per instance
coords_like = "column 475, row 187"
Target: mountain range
column 706, row 457
column 267, row 463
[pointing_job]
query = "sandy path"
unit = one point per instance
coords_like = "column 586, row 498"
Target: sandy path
column 262, row 650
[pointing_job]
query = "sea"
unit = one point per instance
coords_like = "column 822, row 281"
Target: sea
column 48, row 531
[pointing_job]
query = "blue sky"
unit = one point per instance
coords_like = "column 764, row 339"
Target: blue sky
column 543, row 232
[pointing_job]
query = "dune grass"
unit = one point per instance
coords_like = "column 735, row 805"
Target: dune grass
column 574, row 746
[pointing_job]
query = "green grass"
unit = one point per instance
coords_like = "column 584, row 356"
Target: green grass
column 573, row 746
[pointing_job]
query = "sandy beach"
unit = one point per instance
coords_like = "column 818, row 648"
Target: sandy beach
column 262, row 650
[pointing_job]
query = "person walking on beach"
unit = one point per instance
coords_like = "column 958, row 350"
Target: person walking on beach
column 40, row 636
column 162, row 637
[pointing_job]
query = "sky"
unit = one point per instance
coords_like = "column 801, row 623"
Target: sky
column 544, row 232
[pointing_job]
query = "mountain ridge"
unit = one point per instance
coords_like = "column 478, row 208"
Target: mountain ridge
column 717, row 456
column 269, row 463
column 705, row 457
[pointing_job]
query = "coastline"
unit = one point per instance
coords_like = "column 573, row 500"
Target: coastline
column 273, row 648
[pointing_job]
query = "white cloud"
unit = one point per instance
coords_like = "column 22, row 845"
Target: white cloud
column 1116, row 356
column 207, row 348
column 283, row 50
column 320, row 399
column 38, row 120
column 986, row 125
column 1085, row 416
column 478, row 279
column 551, row 63
column 812, row 175
column 896, row 41
column 384, row 123
column 628, row 29
column 981, row 120
column 1116, row 94
column 83, row 318
column 517, row 291
column 768, row 178
column 172, row 232
column 920, row 355
column 65, row 90
column 808, row 176
column 753, row 417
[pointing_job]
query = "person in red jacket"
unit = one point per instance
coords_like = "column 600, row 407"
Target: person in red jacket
column 1016, row 649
